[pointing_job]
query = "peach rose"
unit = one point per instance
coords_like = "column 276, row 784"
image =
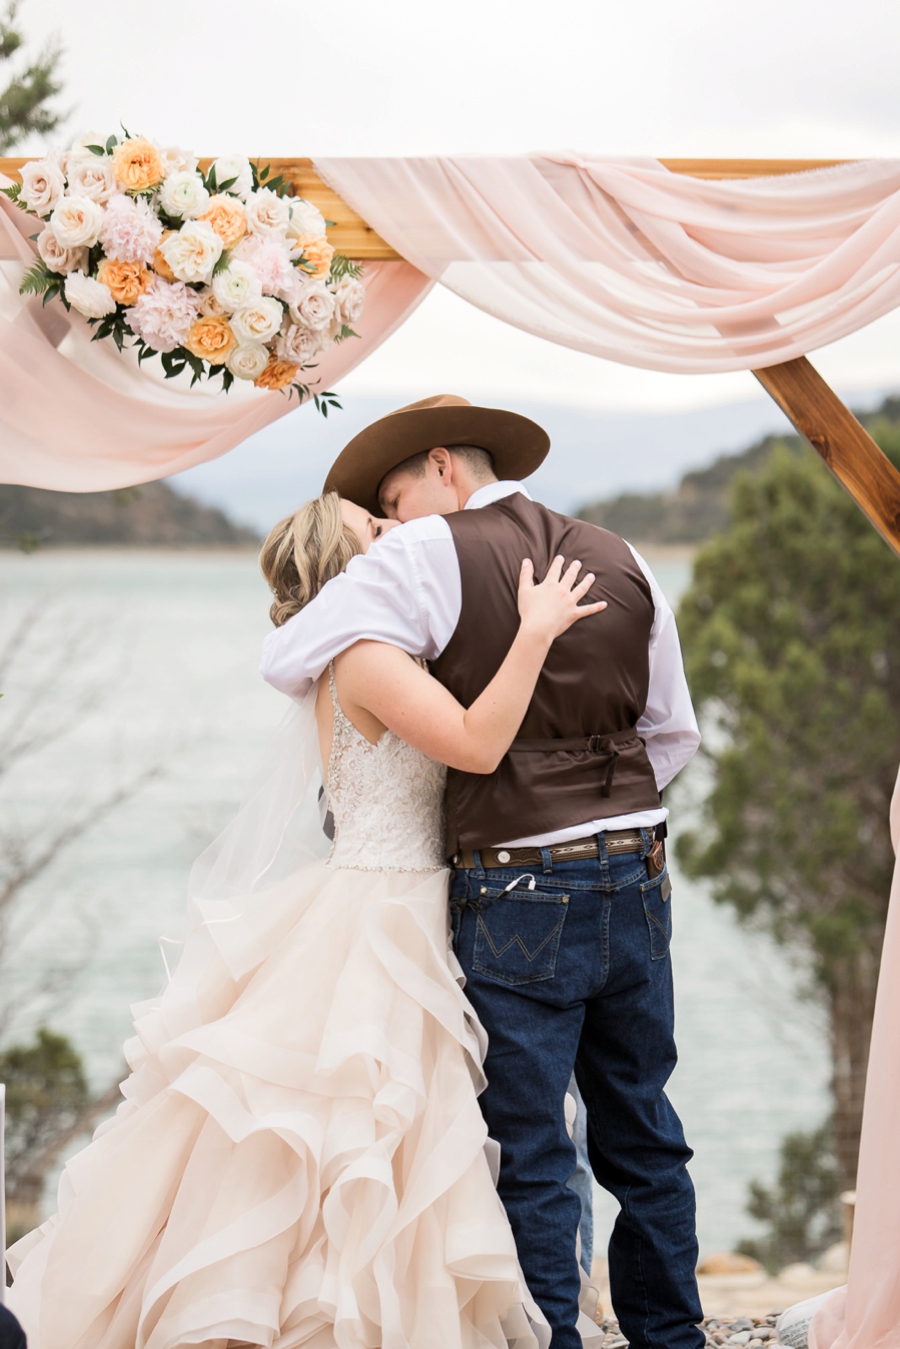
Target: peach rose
column 138, row 165
column 211, row 339
column 160, row 266
column 317, row 255
column 228, row 219
column 127, row 281
column 277, row 375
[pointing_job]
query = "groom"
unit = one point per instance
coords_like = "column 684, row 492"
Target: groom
column 560, row 895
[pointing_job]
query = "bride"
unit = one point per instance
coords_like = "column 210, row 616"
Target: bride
column 300, row 1158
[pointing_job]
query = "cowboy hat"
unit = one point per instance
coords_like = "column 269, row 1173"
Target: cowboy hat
column 518, row 446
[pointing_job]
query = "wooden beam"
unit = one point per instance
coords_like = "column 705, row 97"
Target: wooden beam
column 845, row 446
column 746, row 168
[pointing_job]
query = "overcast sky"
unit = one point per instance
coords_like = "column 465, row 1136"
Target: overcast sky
column 781, row 78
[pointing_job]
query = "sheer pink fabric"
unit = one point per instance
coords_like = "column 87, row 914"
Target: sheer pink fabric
column 628, row 261
column 78, row 416
column 866, row 1314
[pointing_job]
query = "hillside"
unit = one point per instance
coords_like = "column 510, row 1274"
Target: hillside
column 698, row 506
column 150, row 516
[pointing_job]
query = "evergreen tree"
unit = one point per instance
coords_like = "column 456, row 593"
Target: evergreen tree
column 23, row 103
column 792, row 645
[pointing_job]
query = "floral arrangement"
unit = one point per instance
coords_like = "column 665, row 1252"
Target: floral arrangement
column 223, row 272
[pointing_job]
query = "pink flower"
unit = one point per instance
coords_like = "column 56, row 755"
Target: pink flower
column 164, row 314
column 270, row 258
column 131, row 230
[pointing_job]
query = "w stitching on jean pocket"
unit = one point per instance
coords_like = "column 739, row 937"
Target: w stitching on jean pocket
column 517, row 937
column 658, row 912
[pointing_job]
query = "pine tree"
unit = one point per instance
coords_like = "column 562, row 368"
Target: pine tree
column 23, row 103
column 792, row 644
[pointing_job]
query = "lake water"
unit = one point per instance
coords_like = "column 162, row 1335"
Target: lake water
column 168, row 646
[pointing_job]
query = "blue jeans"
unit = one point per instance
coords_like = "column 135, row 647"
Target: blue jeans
column 581, row 1180
column 575, row 972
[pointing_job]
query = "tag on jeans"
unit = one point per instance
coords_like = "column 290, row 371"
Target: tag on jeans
column 665, row 889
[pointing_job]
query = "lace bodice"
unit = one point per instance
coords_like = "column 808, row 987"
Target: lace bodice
column 387, row 800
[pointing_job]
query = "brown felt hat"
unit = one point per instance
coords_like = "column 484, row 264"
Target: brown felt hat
column 518, row 445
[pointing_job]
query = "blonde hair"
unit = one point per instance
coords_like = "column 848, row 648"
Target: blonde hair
column 303, row 552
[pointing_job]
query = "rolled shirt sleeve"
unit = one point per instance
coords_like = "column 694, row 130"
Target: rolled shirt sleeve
column 405, row 590
column 668, row 725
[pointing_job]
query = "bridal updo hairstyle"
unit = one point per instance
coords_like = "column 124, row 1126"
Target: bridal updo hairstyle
column 303, row 552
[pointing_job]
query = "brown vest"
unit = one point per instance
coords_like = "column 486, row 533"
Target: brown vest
column 577, row 756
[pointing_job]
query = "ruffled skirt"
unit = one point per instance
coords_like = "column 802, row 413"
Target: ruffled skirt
column 300, row 1158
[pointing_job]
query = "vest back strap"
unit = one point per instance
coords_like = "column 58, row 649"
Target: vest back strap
column 607, row 747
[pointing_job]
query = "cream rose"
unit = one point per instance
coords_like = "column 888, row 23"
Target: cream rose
column 267, row 213
column 92, row 178
column 88, row 296
column 349, row 297
column 193, row 251
column 210, row 307
column 237, row 286
column 175, row 160
column 248, row 360
column 57, row 258
column 183, row 195
column 77, row 222
column 42, row 185
column 79, row 151
column 297, row 345
column 315, row 308
column 306, row 222
column 258, row 322
column 237, row 167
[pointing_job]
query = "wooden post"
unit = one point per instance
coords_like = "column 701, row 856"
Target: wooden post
column 859, row 465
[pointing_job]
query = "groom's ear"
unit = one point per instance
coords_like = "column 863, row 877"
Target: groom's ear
column 443, row 462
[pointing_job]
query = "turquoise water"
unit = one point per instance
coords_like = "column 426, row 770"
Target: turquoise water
column 169, row 642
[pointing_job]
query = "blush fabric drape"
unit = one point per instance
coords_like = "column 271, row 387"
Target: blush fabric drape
column 629, row 261
column 866, row 1313
column 78, row 416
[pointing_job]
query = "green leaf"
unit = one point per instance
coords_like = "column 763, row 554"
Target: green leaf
column 229, row 182
column 12, row 191
column 211, row 179
column 264, row 173
column 222, row 263
column 51, row 292
column 37, row 278
column 97, row 150
column 145, row 353
column 227, row 379
column 112, row 143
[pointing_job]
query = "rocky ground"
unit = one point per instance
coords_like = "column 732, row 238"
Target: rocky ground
column 744, row 1332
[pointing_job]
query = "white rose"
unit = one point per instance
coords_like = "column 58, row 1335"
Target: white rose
column 315, row 308
column 42, row 185
column 259, row 322
column 238, row 168
column 298, row 345
column 237, row 286
column 88, row 296
column 193, row 252
column 267, row 213
column 92, row 177
column 77, row 222
column 349, row 298
column 248, row 360
column 177, row 161
column 57, row 258
column 183, row 194
column 307, row 222
column 79, row 151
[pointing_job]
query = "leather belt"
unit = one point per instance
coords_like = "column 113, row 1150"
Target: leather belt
column 617, row 841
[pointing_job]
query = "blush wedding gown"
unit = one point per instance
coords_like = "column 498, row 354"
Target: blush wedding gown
column 300, row 1158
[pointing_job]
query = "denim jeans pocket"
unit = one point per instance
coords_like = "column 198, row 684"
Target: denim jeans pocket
column 656, row 895
column 517, row 935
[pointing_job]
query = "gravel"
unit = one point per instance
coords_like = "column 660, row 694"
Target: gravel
column 741, row 1332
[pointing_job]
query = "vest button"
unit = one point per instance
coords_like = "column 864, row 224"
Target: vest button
column 503, row 856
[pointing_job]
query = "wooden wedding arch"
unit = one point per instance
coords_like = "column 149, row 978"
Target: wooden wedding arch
column 796, row 386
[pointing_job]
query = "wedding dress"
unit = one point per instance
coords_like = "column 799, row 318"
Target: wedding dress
column 300, row 1158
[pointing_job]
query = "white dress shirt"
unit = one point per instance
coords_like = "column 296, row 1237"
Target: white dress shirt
column 406, row 591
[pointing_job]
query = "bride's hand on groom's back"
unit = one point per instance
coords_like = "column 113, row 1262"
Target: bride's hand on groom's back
column 549, row 608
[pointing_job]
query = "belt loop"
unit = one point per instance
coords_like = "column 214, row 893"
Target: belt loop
column 547, row 861
column 649, row 840
column 602, row 855
column 476, row 864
